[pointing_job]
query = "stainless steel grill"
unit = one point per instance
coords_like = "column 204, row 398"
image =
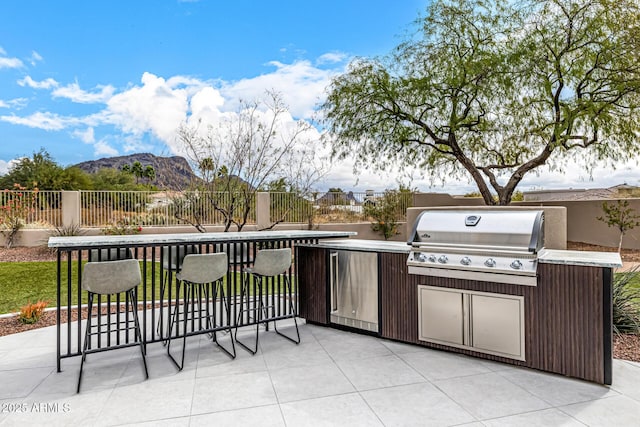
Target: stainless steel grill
column 488, row 245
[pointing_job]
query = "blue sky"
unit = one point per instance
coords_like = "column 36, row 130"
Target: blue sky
column 99, row 78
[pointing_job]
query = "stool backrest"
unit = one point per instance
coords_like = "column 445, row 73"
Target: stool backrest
column 204, row 268
column 111, row 277
column 271, row 262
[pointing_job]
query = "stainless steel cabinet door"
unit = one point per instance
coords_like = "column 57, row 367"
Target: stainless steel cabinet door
column 497, row 325
column 441, row 316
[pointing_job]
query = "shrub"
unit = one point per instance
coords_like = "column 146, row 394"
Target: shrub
column 385, row 212
column 626, row 302
column 31, row 313
column 17, row 205
column 123, row 225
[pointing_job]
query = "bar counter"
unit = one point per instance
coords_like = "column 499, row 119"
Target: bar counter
column 150, row 250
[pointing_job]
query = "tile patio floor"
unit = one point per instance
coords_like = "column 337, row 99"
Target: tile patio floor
column 333, row 378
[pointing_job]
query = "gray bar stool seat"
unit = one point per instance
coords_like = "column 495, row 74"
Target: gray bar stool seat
column 111, row 278
column 268, row 263
column 197, row 273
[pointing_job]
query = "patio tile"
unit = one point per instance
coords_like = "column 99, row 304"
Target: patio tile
column 212, row 362
column 490, row 395
column 555, row 389
column 401, row 348
column 168, row 422
column 348, row 410
column 289, row 355
column 415, row 405
column 546, row 417
column 378, row 372
column 52, row 410
column 307, row 382
column 147, row 401
column 438, row 365
column 263, row 416
column 347, row 346
column 20, row 382
column 229, row 392
column 29, row 357
column 104, row 369
column 625, row 378
column 610, row 411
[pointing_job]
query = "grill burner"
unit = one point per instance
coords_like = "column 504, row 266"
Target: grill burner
column 489, row 245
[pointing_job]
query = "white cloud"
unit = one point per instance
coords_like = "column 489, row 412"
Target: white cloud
column 102, row 148
column 331, row 58
column 2, row 51
column 157, row 107
column 301, row 84
column 5, row 166
column 6, row 62
column 75, row 94
column 87, row 136
column 13, row 103
column 35, row 57
column 46, row 121
column 44, row 84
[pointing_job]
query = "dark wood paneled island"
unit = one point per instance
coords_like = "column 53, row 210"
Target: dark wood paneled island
column 567, row 323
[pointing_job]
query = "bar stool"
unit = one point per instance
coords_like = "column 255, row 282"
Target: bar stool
column 172, row 258
column 111, row 278
column 199, row 271
column 268, row 263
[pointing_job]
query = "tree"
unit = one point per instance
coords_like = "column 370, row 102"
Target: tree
column 494, row 90
column 41, row 171
column 149, row 174
column 243, row 152
column 620, row 216
column 137, row 170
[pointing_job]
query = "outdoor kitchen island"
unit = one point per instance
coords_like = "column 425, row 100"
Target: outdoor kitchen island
column 561, row 324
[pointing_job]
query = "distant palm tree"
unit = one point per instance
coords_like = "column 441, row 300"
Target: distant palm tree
column 149, row 174
column 137, row 170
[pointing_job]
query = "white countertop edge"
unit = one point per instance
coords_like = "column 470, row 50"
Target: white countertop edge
column 159, row 239
column 361, row 245
column 589, row 258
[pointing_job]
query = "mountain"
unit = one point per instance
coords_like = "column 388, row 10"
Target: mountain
column 171, row 172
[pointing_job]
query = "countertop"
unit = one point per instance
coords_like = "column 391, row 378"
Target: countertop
column 163, row 239
column 594, row 259
column 361, row 245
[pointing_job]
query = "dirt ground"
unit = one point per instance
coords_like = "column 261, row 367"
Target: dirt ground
column 625, row 346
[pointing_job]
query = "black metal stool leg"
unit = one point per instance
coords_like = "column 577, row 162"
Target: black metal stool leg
column 293, row 312
column 231, row 353
column 87, row 335
column 138, row 332
column 186, row 292
column 248, row 309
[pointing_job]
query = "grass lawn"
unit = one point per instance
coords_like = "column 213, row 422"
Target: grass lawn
column 28, row 282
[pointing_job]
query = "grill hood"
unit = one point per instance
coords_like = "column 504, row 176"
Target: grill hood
column 497, row 230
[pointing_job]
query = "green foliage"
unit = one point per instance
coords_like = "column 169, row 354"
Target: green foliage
column 121, row 226
column 385, row 212
column 626, row 302
column 494, row 90
column 620, row 216
column 112, row 179
column 43, row 172
column 17, row 206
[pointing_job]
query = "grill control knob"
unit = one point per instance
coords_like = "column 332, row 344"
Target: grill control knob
column 490, row 262
column 432, row 258
column 516, row 264
column 421, row 257
column 465, row 261
column 443, row 259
